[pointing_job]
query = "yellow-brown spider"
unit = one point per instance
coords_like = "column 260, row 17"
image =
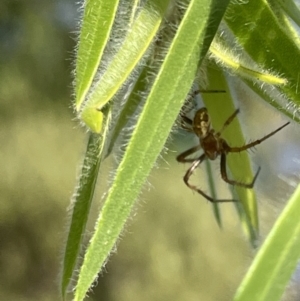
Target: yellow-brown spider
column 213, row 146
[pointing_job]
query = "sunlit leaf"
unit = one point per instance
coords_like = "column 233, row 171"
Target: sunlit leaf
column 168, row 92
column 220, row 106
column 81, row 202
column 96, row 27
column 276, row 260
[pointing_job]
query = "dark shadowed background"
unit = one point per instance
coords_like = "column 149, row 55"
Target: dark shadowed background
column 172, row 247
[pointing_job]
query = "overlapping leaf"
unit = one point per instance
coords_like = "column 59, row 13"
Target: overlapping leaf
column 164, row 101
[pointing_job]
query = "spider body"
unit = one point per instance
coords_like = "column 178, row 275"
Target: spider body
column 213, row 145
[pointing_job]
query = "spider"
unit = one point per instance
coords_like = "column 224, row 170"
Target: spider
column 213, row 146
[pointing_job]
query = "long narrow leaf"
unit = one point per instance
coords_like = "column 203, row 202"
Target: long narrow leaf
column 258, row 31
column 162, row 106
column 95, row 30
column 213, row 193
column 142, row 32
column 255, row 79
column 291, row 9
column 270, row 100
column 130, row 107
column 82, row 200
column 277, row 259
column 220, row 107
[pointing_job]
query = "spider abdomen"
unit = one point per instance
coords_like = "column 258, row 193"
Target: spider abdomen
column 211, row 146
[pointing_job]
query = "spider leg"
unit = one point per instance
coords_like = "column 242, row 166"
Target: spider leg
column 182, row 157
column 196, row 92
column 186, row 121
column 188, row 174
column 186, row 128
column 233, row 182
column 258, row 141
column 227, row 122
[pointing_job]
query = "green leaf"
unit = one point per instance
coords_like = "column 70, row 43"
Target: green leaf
column 165, row 99
column 259, row 32
column 96, row 27
column 285, row 11
column 130, row 107
column 81, row 203
column 254, row 78
column 93, row 119
column 141, row 34
column 220, row 106
column 290, row 8
column 219, row 52
column 213, row 193
column 270, row 100
column 277, row 259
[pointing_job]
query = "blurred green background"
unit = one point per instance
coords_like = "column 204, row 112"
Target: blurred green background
column 172, row 248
